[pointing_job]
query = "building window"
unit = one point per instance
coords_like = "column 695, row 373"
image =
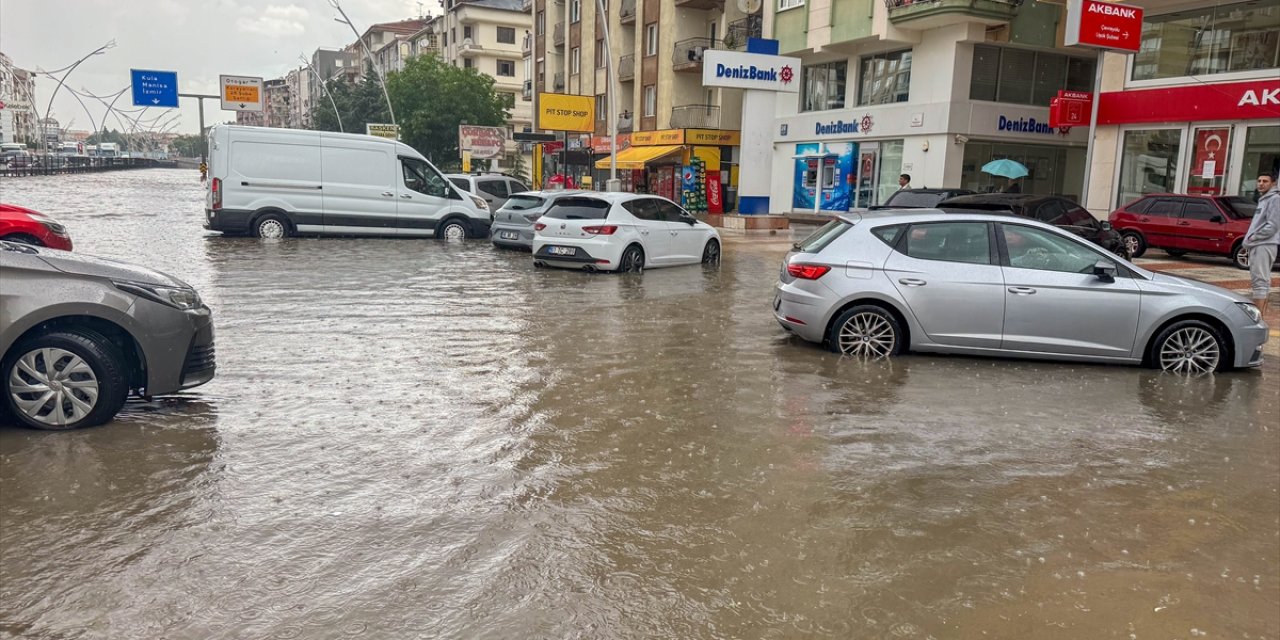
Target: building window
column 651, row 39
column 507, row 68
column 1221, row 39
column 1055, row 170
column 1261, row 155
column 1148, row 163
column 575, row 61
column 468, row 63
column 886, row 78
column 541, row 23
column 602, row 54
column 506, row 35
column 575, row 10
column 466, row 33
column 1022, row 76
column 823, row 86
column 453, row 34
column 650, row 100
column 783, row 5
column 602, row 107
column 542, row 75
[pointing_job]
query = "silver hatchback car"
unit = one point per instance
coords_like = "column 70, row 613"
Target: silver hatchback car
column 513, row 223
column 955, row 282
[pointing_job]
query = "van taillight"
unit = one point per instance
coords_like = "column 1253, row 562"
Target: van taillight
column 217, row 194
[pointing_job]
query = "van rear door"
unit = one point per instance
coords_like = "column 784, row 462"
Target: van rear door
column 359, row 188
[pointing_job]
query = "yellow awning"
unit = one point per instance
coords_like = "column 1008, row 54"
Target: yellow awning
column 637, row 157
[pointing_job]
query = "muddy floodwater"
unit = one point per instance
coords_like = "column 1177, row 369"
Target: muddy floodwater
column 414, row 439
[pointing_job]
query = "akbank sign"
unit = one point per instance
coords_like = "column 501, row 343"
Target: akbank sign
column 739, row 70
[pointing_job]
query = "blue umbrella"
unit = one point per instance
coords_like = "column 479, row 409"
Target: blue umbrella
column 1005, row 167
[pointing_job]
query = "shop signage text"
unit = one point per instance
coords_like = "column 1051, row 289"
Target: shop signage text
column 741, row 70
column 1070, row 109
column 840, row 127
column 1249, row 100
column 562, row 112
column 1026, row 125
column 389, row 131
column 483, row 143
column 1103, row 25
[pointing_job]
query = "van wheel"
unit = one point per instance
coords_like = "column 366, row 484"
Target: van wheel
column 452, row 229
column 64, row 380
column 271, row 227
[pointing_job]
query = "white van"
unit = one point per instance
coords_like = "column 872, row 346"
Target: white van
column 274, row 183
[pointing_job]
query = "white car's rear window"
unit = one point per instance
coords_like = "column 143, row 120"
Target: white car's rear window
column 578, row 209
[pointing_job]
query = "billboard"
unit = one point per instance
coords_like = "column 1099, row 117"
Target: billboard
column 562, row 112
column 1103, row 25
column 483, row 143
column 382, row 130
column 739, row 70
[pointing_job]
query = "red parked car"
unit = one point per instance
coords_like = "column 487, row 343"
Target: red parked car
column 1181, row 224
column 19, row 224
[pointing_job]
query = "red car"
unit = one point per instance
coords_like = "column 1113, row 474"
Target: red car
column 1181, row 224
column 19, row 224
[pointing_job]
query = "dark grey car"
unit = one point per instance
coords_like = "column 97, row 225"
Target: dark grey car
column 79, row 334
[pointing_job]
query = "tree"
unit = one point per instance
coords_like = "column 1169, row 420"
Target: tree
column 433, row 97
column 109, row 136
column 359, row 105
column 188, row 146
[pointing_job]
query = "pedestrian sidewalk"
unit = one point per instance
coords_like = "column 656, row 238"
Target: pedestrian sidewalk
column 1217, row 271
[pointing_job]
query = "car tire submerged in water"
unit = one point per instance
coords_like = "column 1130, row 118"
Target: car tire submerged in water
column 1189, row 347
column 79, row 376
column 1134, row 244
column 271, row 226
column 711, row 252
column 452, row 229
column 632, row 260
column 866, row 331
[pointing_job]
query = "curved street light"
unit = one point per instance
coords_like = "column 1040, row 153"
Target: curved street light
column 44, row 139
column 324, row 86
column 373, row 63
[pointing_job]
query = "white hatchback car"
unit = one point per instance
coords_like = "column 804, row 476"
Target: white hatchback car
column 621, row 232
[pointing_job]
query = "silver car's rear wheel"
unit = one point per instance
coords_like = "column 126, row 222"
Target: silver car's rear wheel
column 1190, row 348
column 867, row 332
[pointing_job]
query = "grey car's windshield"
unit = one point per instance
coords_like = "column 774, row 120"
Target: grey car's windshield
column 915, row 199
column 1242, row 207
column 523, row 203
column 578, row 209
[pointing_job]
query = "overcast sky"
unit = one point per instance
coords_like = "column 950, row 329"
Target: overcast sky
column 199, row 39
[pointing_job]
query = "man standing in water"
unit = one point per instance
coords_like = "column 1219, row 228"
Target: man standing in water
column 1262, row 239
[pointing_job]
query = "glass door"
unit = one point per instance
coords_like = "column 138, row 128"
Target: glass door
column 1210, row 151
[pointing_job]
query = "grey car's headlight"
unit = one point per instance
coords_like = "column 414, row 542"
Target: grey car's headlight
column 481, row 203
column 176, row 297
column 1250, row 310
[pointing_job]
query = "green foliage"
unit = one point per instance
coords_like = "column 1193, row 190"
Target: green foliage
column 518, row 167
column 188, row 146
column 433, row 97
column 359, row 105
column 109, row 136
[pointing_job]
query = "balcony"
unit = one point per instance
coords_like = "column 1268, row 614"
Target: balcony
column 739, row 31
column 526, row 91
column 627, row 68
column 700, row 4
column 928, row 14
column 688, row 53
column 695, row 116
column 526, row 45
column 469, row 48
column 557, row 34
column 526, row 5
column 559, row 81
column 627, row 14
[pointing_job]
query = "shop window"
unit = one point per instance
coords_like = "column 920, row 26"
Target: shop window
column 1261, row 155
column 886, row 78
column 1148, row 162
column 1053, row 169
column 1221, row 39
column 824, row 86
column 1023, row 76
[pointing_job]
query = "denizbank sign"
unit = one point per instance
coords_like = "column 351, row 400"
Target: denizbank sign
column 759, row 71
column 1026, row 125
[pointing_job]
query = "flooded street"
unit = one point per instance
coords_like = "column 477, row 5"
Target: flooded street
column 414, row 439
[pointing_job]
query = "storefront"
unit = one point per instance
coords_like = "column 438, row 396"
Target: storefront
column 688, row 166
column 1198, row 138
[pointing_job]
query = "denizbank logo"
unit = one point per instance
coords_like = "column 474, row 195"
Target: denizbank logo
column 755, row 71
column 838, row 127
column 1025, row 125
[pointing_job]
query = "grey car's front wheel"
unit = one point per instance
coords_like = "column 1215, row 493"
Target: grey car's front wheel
column 1189, row 347
column 64, row 380
column 866, row 331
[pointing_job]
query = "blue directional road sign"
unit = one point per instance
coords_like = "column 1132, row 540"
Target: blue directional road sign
column 154, row 88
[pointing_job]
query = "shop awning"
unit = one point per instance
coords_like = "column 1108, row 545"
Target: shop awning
column 637, row 157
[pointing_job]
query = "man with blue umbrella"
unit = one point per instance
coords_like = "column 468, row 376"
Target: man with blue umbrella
column 1006, row 168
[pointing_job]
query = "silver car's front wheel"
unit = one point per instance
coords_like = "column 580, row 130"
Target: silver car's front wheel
column 867, row 332
column 1189, row 347
column 64, row 380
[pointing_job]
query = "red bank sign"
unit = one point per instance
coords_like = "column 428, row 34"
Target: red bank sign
column 1250, row 100
column 1103, row 25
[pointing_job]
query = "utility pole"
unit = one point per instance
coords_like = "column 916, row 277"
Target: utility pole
column 204, row 146
column 373, row 63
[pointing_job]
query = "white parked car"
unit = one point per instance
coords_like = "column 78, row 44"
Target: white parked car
column 621, row 232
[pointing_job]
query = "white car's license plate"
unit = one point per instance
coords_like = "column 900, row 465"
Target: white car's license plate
column 509, row 235
column 561, row 251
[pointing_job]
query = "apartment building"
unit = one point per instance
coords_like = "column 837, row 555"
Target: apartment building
column 1196, row 110
column 380, row 35
column 657, row 48
column 17, row 93
column 278, row 102
column 393, row 55
column 931, row 88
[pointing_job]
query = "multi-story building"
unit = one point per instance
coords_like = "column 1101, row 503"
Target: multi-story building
column 931, row 88
column 278, row 102
column 380, row 35
column 427, row 40
column 1196, row 110
column 252, row 118
column 656, row 48
column 487, row 35
column 17, row 92
column 392, row 56
column 330, row 64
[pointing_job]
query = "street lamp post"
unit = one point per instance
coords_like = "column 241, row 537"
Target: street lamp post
column 324, row 86
column 44, row 139
column 373, row 63
column 613, row 184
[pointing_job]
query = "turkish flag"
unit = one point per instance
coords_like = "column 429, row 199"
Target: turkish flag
column 1211, row 153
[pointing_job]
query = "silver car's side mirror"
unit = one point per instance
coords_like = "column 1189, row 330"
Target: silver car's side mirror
column 1105, row 270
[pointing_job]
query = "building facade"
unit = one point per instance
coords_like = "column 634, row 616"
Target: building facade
column 378, row 36
column 279, row 103
column 1196, row 110
column 934, row 89
column 17, row 93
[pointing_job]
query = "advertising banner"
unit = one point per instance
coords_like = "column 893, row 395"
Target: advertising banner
column 484, row 143
column 562, row 112
column 390, row 131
